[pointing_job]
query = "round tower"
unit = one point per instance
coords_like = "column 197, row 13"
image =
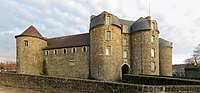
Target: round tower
column 29, row 52
column 144, row 47
column 105, row 47
column 165, row 53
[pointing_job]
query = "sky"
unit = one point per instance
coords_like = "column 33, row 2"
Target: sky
column 178, row 20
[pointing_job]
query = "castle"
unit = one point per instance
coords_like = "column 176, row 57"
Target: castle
column 112, row 47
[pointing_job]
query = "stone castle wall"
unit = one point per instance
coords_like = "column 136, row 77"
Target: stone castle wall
column 141, row 53
column 66, row 85
column 105, row 67
column 30, row 58
column 165, row 54
column 65, row 63
column 126, row 48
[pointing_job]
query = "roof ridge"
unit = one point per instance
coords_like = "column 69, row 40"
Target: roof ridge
column 69, row 35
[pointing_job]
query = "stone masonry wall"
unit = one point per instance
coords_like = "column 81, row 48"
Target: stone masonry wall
column 126, row 48
column 66, row 85
column 30, row 58
column 158, row 80
column 141, row 53
column 165, row 54
column 105, row 67
column 65, row 63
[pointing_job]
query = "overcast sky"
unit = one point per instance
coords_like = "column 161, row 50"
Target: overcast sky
column 178, row 20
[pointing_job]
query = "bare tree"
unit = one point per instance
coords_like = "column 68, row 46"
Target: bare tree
column 195, row 59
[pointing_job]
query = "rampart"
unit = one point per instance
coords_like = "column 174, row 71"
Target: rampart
column 65, row 85
column 158, row 80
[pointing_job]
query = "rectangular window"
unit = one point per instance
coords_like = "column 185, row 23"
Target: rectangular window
column 125, row 30
column 152, row 39
column 107, row 20
column 108, row 35
column 125, row 42
column 153, row 66
column 71, row 60
column 108, row 50
column 152, row 52
column 125, row 54
column 26, row 42
column 46, row 52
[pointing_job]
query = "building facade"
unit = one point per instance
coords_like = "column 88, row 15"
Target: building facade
column 112, row 47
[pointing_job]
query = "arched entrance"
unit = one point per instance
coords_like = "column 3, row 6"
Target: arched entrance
column 125, row 69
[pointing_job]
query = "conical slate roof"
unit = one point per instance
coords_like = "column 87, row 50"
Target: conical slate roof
column 141, row 24
column 99, row 20
column 31, row 31
column 164, row 43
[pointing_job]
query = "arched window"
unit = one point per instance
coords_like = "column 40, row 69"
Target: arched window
column 73, row 50
column 64, row 51
column 84, row 49
column 108, row 50
column 55, row 52
column 125, row 54
column 108, row 35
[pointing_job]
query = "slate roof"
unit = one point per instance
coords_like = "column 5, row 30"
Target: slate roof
column 68, row 41
column 139, row 25
column 31, row 31
column 99, row 19
column 164, row 43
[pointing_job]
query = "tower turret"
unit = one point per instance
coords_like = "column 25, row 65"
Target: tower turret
column 165, row 52
column 105, row 47
column 29, row 52
column 144, row 47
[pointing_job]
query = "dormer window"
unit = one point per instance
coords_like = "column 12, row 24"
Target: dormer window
column 125, row 29
column 107, row 20
column 153, row 25
column 26, row 42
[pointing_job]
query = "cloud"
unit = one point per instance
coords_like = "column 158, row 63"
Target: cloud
column 177, row 20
